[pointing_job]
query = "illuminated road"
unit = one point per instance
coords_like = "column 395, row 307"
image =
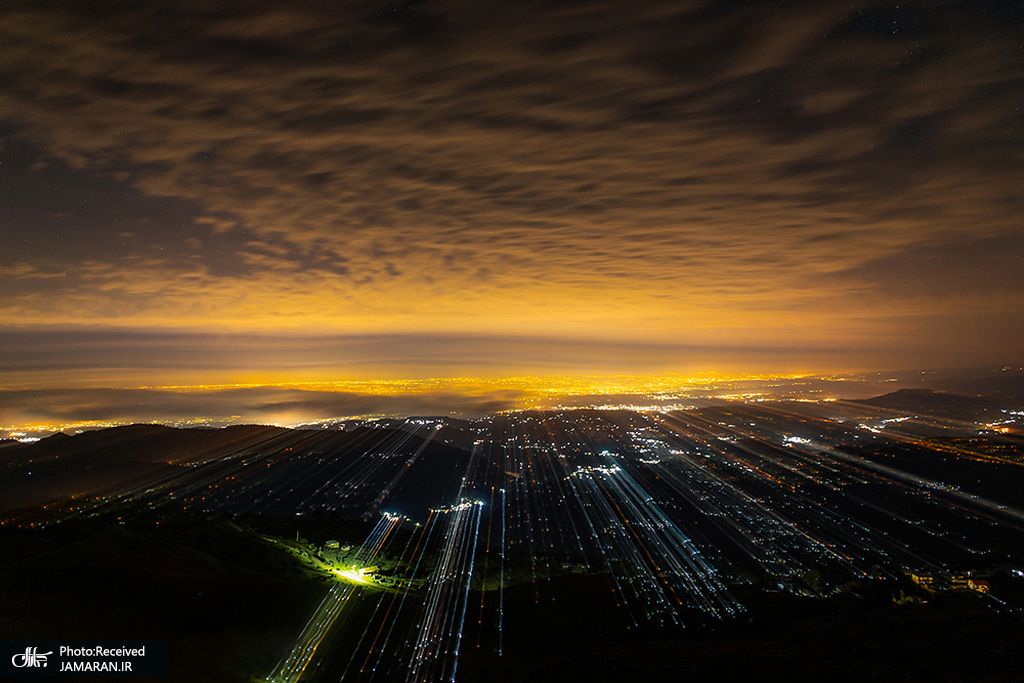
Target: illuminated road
column 304, row 654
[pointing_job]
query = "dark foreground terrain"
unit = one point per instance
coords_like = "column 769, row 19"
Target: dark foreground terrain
column 880, row 540
column 231, row 605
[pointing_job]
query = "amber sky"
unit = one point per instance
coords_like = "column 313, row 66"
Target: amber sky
column 330, row 189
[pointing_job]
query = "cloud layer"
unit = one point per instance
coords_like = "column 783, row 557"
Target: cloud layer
column 694, row 172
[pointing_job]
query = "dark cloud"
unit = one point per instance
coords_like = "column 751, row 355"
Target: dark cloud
column 42, row 359
column 247, row 405
column 970, row 270
column 695, row 170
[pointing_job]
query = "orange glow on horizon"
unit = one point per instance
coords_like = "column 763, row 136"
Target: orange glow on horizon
column 523, row 393
column 547, row 385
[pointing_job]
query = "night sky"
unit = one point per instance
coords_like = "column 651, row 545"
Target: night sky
column 195, row 192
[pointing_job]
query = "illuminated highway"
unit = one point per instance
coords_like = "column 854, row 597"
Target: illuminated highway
column 295, row 665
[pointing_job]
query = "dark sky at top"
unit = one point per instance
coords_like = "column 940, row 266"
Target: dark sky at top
column 844, row 178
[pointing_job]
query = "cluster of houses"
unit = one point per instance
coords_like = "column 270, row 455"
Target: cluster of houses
column 931, row 582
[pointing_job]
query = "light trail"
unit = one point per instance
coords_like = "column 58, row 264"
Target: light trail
column 294, row 665
column 436, row 650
